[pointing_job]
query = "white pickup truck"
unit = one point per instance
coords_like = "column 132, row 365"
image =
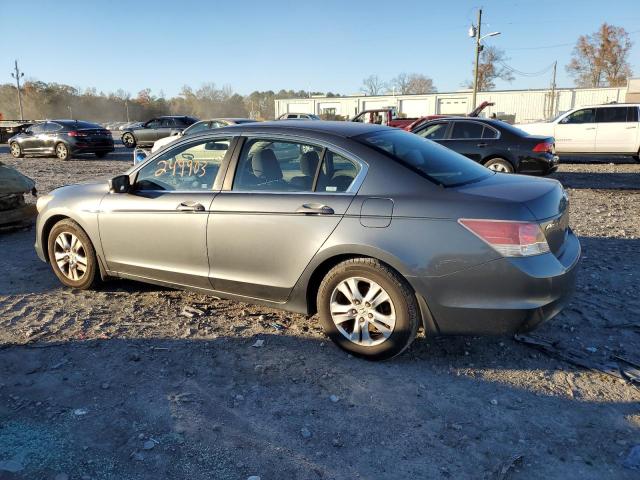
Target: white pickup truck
column 597, row 130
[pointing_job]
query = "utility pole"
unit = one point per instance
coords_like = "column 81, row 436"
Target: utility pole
column 70, row 112
column 126, row 106
column 478, row 50
column 553, row 91
column 18, row 75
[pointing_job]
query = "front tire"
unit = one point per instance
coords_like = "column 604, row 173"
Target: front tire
column 499, row 165
column 368, row 309
column 16, row 150
column 72, row 256
column 128, row 140
column 62, row 151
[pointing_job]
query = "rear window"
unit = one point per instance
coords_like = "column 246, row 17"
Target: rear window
column 435, row 162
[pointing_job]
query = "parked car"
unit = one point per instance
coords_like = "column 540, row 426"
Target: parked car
column 63, row 139
column 378, row 230
column 298, row 116
column 612, row 129
column 198, row 127
column 493, row 143
column 155, row 129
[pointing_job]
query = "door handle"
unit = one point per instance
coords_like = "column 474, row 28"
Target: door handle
column 190, row 207
column 629, row 128
column 591, row 128
column 315, row 209
column 481, row 145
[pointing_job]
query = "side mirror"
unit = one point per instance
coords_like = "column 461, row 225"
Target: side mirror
column 120, row 184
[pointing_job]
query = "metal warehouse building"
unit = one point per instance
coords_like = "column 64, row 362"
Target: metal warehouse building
column 519, row 106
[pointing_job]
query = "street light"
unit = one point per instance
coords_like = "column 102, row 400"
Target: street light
column 475, row 32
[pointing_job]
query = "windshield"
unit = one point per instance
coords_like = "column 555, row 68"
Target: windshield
column 439, row 164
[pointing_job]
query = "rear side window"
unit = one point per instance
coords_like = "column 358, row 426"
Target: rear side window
column 337, row 173
column 429, row 159
column 611, row 115
column 632, row 114
column 489, row 132
column 277, row 166
column 466, row 131
column 168, row 123
column 437, row 131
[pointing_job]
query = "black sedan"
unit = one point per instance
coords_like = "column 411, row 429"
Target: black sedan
column 62, row 138
column 155, row 129
column 493, row 143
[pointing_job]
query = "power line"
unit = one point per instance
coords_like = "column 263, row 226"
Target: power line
column 527, row 74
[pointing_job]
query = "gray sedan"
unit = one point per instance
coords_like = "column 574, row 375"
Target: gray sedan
column 377, row 230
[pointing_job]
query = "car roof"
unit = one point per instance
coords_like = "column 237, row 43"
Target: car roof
column 490, row 121
column 339, row 129
column 608, row 105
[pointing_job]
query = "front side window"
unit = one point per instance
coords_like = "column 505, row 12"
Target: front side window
column 466, row 131
column 586, row 115
column 429, row 159
column 155, row 123
column 435, row 131
column 611, row 115
column 276, row 165
column 37, row 128
column 192, row 167
column 50, row 127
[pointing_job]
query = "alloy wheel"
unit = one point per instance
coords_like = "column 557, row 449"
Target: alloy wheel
column 15, row 149
column 70, row 256
column 498, row 167
column 61, row 151
column 362, row 311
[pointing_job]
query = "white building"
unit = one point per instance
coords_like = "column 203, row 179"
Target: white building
column 525, row 105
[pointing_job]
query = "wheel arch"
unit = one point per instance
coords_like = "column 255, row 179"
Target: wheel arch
column 46, row 230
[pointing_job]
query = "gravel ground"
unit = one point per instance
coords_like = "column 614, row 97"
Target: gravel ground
column 119, row 384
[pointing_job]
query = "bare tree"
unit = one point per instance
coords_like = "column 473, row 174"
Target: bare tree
column 490, row 68
column 413, row 83
column 373, row 85
column 600, row 59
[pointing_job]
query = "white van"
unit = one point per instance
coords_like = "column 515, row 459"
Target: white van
column 600, row 129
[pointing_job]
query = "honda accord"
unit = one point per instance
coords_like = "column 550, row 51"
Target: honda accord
column 379, row 231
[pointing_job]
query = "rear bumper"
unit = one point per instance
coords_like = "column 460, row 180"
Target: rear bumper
column 92, row 147
column 540, row 164
column 504, row 296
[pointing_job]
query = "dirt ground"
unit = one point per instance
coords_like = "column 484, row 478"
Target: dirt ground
column 119, row 384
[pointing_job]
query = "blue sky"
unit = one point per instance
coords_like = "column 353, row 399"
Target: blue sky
column 328, row 45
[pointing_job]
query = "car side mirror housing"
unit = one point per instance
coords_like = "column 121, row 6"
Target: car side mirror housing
column 120, row 184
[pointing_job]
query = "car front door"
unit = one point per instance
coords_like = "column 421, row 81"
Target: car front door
column 466, row 138
column 158, row 230
column 274, row 213
column 576, row 133
column 617, row 129
column 146, row 134
column 33, row 139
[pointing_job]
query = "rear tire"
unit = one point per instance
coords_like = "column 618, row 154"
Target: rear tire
column 16, row 150
column 499, row 165
column 128, row 140
column 62, row 151
column 368, row 309
column 72, row 256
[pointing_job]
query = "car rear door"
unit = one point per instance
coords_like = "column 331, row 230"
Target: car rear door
column 617, row 129
column 466, row 138
column 275, row 211
column 158, row 231
column 576, row 133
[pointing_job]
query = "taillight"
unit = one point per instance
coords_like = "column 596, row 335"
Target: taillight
column 510, row 239
column 544, row 147
column 75, row 133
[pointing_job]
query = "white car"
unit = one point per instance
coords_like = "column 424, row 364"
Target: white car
column 600, row 129
column 197, row 127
